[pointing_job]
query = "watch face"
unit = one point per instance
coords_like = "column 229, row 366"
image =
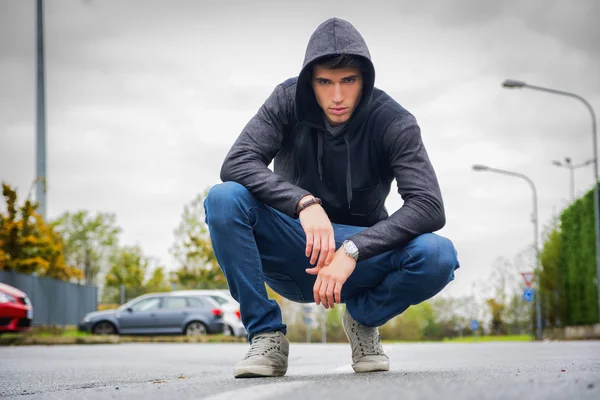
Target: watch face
column 351, row 248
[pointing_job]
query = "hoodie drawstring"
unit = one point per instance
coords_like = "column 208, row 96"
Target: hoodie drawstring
column 348, row 166
column 348, row 172
column 320, row 154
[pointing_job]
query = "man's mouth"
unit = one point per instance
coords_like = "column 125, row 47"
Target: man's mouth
column 338, row 110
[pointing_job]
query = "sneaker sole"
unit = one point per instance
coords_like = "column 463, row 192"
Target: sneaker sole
column 372, row 366
column 258, row 371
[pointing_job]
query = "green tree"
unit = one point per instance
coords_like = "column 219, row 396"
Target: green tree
column 577, row 267
column 27, row 244
column 132, row 269
column 89, row 241
column 411, row 324
column 552, row 288
column 497, row 325
column 198, row 267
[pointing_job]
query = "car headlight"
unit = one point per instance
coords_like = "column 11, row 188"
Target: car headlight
column 86, row 319
column 7, row 298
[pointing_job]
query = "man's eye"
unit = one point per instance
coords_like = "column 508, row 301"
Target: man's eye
column 350, row 80
column 323, row 81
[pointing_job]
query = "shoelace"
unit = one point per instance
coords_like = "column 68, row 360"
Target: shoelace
column 263, row 344
column 368, row 339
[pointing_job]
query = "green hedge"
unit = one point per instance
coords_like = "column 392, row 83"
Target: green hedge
column 578, row 262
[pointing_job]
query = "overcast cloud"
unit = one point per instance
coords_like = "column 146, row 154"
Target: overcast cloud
column 144, row 99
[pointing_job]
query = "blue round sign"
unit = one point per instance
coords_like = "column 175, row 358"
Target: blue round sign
column 474, row 325
column 528, row 295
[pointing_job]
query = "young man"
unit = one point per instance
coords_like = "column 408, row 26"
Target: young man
column 316, row 229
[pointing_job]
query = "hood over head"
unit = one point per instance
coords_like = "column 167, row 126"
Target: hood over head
column 333, row 37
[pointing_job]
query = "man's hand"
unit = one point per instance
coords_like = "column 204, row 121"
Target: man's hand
column 331, row 278
column 320, row 241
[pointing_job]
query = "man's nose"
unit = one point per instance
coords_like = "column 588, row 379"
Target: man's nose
column 337, row 94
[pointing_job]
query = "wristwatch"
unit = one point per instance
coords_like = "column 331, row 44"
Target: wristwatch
column 351, row 249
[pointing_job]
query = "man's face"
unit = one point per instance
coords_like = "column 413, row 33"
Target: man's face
column 337, row 91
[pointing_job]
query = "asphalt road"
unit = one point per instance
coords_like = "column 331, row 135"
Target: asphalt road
column 568, row 370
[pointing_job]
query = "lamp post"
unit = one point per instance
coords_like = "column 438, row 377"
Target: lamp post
column 40, row 166
column 534, row 220
column 569, row 164
column 513, row 84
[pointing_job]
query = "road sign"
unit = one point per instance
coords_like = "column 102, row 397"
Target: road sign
column 528, row 294
column 474, row 325
column 528, row 277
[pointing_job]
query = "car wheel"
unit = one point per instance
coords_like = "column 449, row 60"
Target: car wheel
column 228, row 331
column 104, row 328
column 196, row 328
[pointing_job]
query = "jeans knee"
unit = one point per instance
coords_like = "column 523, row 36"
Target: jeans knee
column 222, row 198
column 438, row 256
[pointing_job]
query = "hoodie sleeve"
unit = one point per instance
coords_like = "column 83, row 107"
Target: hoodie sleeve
column 423, row 208
column 261, row 139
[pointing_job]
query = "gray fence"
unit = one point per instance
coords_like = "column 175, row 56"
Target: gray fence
column 54, row 302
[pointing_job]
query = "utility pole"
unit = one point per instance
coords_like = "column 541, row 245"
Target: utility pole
column 40, row 168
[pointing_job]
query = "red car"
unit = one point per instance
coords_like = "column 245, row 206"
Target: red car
column 16, row 311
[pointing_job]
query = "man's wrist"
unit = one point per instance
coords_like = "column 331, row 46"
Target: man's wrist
column 350, row 249
column 304, row 199
column 307, row 203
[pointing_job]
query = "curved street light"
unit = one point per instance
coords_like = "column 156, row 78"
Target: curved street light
column 534, row 220
column 568, row 163
column 515, row 84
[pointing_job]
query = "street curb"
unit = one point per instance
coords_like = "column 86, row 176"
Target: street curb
column 112, row 339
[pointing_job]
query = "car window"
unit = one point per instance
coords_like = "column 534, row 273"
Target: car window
column 174, row 302
column 196, row 302
column 146, row 304
column 219, row 299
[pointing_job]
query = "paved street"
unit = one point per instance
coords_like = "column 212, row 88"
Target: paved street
column 193, row 371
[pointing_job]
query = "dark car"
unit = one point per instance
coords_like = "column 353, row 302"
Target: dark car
column 158, row 313
column 16, row 311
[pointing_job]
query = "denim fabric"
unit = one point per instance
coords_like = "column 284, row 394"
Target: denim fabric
column 254, row 244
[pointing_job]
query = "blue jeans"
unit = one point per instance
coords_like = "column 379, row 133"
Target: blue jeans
column 255, row 243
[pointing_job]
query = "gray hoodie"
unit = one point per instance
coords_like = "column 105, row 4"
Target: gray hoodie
column 350, row 171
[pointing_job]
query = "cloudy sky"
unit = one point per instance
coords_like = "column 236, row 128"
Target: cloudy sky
column 144, row 99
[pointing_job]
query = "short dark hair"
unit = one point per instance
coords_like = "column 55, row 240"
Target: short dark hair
column 337, row 61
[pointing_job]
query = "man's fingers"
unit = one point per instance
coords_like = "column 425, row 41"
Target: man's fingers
column 337, row 292
column 331, row 253
column 309, row 243
column 315, row 250
column 323, row 294
column 329, row 291
column 324, row 251
column 316, row 288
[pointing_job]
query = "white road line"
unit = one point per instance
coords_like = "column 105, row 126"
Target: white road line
column 259, row 391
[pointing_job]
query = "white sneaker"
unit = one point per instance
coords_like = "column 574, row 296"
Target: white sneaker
column 268, row 356
column 367, row 352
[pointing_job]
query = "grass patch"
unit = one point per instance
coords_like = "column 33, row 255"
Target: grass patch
column 507, row 338
column 469, row 339
column 51, row 335
column 64, row 333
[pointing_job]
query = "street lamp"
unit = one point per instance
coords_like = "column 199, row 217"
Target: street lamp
column 514, row 84
column 569, row 164
column 40, row 160
column 534, row 220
